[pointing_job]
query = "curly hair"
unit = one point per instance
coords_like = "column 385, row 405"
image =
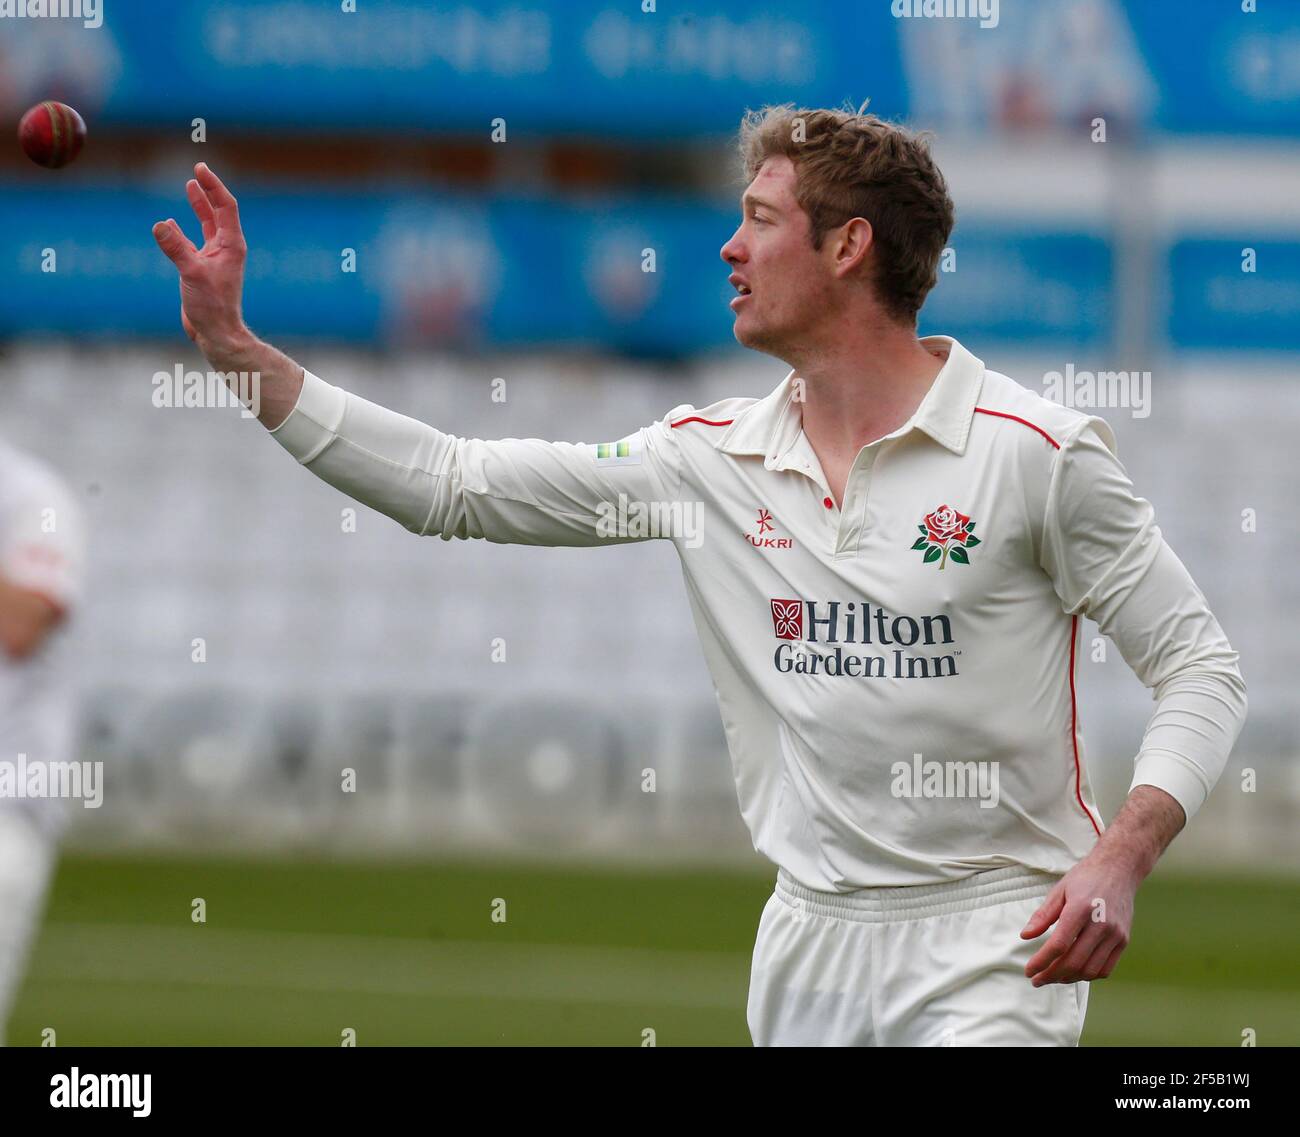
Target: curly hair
column 850, row 165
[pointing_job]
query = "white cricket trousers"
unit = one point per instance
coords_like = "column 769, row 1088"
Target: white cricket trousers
column 27, row 858
column 921, row 965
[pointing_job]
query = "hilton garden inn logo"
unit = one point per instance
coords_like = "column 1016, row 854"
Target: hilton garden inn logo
column 639, row 520
column 798, row 624
column 24, row 779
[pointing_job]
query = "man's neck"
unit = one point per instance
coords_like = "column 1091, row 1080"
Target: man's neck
column 859, row 392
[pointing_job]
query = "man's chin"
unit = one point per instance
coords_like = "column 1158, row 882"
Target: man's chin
column 747, row 335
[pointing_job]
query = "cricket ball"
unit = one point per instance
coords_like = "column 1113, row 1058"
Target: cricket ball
column 51, row 134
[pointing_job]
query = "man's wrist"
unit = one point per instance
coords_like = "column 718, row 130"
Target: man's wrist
column 235, row 351
column 1148, row 821
column 1133, row 852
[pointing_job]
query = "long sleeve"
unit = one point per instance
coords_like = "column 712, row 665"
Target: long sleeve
column 511, row 490
column 1108, row 560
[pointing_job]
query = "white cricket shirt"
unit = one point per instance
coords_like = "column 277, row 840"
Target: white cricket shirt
column 42, row 549
column 897, row 677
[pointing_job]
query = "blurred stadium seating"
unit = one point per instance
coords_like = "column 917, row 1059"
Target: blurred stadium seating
column 373, row 649
column 524, row 260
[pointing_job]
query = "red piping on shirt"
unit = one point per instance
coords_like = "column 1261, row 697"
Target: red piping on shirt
column 1023, row 422
column 1074, row 727
column 1074, row 635
column 707, row 422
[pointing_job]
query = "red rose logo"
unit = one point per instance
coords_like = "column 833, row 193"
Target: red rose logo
column 946, row 524
column 946, row 535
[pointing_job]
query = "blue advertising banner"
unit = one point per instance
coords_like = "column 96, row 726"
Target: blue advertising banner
column 1221, row 69
column 606, row 68
column 1033, row 289
column 1226, row 295
column 403, row 65
column 641, row 275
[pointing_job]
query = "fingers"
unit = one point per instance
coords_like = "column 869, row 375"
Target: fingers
column 1068, row 968
column 1101, row 953
column 1048, row 955
column 202, row 209
column 1113, row 959
column 1058, row 943
column 225, row 209
column 1046, row 914
column 179, row 248
column 1105, row 954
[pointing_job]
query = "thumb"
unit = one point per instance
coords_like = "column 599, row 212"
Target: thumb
column 1047, row 914
column 180, row 249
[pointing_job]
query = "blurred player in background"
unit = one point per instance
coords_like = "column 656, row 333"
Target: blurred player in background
column 929, row 533
column 41, row 565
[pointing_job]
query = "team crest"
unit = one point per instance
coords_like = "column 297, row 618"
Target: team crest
column 946, row 535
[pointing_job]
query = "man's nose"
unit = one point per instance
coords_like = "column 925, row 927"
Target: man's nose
column 731, row 251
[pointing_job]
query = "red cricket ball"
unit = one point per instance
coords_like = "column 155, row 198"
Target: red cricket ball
column 51, row 134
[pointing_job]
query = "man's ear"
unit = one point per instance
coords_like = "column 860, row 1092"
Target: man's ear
column 852, row 243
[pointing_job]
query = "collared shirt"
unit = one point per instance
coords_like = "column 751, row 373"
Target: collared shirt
column 896, row 677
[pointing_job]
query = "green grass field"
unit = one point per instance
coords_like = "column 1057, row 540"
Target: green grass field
column 294, row 952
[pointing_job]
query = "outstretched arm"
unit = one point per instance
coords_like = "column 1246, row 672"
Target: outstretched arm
column 212, row 285
column 522, row 491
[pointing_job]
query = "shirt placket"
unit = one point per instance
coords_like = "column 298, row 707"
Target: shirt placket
column 844, row 525
column 803, row 459
column 857, row 487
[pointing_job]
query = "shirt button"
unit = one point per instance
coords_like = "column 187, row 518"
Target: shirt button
column 828, row 503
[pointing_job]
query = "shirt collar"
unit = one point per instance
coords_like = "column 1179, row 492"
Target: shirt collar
column 773, row 425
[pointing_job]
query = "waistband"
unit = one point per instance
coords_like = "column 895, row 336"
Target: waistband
column 917, row 901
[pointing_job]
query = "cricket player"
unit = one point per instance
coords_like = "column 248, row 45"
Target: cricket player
column 41, row 563
column 898, row 546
